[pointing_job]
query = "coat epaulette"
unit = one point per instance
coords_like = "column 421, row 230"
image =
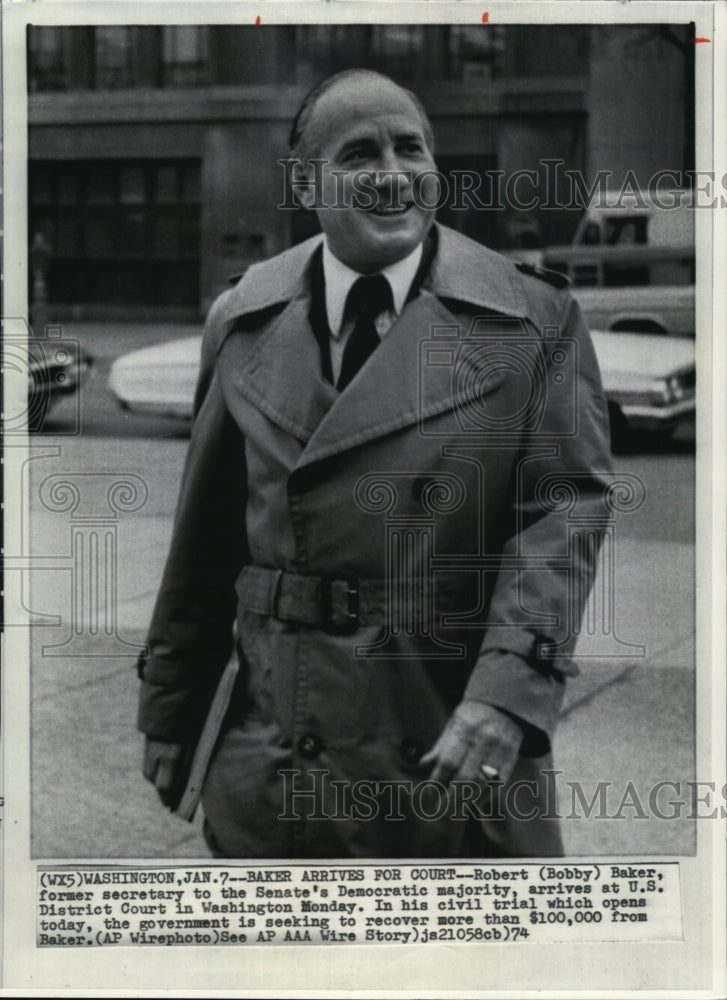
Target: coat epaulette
column 554, row 278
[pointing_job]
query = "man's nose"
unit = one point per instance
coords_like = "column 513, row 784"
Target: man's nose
column 391, row 173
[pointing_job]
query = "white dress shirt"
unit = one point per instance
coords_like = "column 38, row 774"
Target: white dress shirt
column 339, row 279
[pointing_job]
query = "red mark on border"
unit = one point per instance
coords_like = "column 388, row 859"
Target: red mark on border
column 485, row 17
column 696, row 40
column 257, row 19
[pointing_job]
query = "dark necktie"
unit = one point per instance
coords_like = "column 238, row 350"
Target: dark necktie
column 368, row 297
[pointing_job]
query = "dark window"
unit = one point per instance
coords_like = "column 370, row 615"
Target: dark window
column 119, row 231
column 400, row 46
column 185, row 55
column 625, row 230
column 591, row 234
column 132, row 190
column 321, row 49
column 474, row 52
column 46, row 59
column 112, row 57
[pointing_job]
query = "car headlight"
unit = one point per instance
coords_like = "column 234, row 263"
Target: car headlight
column 679, row 388
column 662, row 392
column 673, row 389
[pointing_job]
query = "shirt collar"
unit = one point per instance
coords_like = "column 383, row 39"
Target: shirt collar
column 339, row 279
column 461, row 270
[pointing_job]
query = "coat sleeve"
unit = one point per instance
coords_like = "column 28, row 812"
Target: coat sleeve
column 563, row 472
column 191, row 633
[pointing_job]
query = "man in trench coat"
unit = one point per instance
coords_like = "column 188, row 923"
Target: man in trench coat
column 396, row 554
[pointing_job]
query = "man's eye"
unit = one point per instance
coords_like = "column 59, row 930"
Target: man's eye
column 411, row 147
column 357, row 153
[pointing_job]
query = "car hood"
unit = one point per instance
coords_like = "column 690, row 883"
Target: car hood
column 174, row 352
column 641, row 355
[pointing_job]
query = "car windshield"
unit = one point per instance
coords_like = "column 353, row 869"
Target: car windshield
column 625, row 230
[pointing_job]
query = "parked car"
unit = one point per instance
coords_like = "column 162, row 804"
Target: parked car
column 46, row 371
column 158, row 380
column 649, row 380
column 631, row 262
column 638, row 289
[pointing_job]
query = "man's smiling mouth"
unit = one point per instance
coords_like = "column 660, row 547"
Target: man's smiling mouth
column 390, row 210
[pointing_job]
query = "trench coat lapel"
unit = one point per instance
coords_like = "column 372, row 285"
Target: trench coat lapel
column 409, row 377
column 281, row 373
column 281, row 376
column 388, row 393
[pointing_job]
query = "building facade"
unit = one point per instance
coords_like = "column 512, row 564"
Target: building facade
column 154, row 174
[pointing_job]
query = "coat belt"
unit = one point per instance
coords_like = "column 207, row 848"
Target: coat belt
column 335, row 602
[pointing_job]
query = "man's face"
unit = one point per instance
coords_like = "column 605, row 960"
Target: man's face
column 361, row 128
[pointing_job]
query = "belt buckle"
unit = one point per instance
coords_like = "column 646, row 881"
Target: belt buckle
column 275, row 604
column 350, row 623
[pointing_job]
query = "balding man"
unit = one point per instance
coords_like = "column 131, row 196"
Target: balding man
column 384, row 416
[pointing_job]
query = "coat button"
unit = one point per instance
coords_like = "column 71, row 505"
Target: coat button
column 411, row 750
column 309, row 746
